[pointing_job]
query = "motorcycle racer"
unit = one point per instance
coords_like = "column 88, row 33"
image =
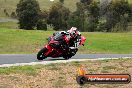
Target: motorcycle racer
column 71, row 38
column 62, row 44
column 75, row 38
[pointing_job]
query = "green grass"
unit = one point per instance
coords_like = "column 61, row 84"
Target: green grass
column 9, row 25
column 108, row 42
column 27, row 41
column 19, row 41
column 42, row 75
column 109, row 67
column 28, row 70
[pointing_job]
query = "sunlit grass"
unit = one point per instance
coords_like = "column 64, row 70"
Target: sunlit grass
column 63, row 74
column 24, row 41
column 9, row 25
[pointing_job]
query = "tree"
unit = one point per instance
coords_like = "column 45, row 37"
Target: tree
column 42, row 22
column 86, row 1
column 93, row 11
column 62, row 1
column 27, row 13
column 130, row 14
column 88, row 14
column 41, row 25
column 13, row 15
column 103, row 6
column 58, row 16
column 44, row 14
column 80, row 13
column 117, row 13
column 74, row 21
column 6, row 13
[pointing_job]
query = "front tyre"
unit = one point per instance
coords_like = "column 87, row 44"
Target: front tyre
column 40, row 55
column 66, row 57
column 73, row 52
column 70, row 54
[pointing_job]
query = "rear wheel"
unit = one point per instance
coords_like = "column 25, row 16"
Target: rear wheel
column 40, row 55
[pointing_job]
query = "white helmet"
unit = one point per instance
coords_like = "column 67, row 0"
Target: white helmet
column 74, row 32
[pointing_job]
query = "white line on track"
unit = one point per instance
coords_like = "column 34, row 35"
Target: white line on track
column 57, row 61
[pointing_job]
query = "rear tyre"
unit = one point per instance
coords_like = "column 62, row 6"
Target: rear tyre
column 40, row 55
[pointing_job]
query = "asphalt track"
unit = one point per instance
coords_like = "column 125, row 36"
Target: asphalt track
column 28, row 58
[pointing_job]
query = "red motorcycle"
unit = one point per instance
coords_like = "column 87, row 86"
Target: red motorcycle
column 54, row 49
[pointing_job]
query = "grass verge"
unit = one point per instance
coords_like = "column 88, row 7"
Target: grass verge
column 63, row 74
column 29, row 41
column 9, row 25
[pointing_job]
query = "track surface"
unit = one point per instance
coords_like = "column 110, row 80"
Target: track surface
column 28, row 58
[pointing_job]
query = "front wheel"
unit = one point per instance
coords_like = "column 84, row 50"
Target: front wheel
column 66, row 57
column 73, row 52
column 40, row 55
column 70, row 54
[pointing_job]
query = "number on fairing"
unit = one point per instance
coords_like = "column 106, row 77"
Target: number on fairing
column 77, row 44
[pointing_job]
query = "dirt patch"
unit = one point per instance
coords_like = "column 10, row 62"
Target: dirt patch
column 64, row 75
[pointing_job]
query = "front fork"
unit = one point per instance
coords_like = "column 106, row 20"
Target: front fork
column 49, row 48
